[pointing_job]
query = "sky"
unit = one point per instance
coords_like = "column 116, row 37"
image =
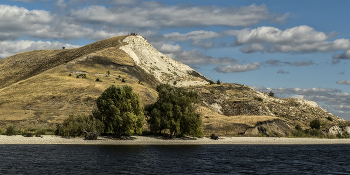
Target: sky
column 298, row 49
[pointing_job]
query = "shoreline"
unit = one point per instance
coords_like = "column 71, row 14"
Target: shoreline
column 148, row 140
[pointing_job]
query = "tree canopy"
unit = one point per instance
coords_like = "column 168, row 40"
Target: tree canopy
column 174, row 111
column 119, row 108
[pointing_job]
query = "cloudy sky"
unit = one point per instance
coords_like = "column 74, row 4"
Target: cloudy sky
column 294, row 48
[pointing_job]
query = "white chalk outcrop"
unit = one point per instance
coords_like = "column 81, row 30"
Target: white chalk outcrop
column 164, row 69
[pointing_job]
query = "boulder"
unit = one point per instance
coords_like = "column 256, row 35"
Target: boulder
column 347, row 130
column 215, row 137
column 334, row 130
column 91, row 135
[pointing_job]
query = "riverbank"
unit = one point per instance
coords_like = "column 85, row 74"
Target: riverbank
column 147, row 140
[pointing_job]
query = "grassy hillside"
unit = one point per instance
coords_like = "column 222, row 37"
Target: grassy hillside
column 36, row 85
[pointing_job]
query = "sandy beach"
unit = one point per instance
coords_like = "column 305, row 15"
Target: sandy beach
column 145, row 140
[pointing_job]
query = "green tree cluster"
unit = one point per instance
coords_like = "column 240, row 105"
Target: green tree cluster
column 119, row 108
column 174, row 111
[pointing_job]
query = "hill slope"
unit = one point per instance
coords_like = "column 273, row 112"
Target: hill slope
column 46, row 86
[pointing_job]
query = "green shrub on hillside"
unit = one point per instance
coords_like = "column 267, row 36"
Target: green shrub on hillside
column 76, row 126
column 329, row 118
column 315, row 124
column 298, row 127
column 11, row 130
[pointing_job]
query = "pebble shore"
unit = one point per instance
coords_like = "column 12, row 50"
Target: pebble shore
column 146, row 140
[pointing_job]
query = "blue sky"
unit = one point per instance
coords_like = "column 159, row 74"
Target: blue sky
column 294, row 48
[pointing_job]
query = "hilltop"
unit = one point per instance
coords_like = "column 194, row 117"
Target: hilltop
column 46, row 86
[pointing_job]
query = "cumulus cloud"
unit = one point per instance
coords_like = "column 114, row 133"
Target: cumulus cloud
column 252, row 48
column 61, row 4
column 300, row 34
column 193, row 57
column 194, row 35
column 156, row 15
column 238, row 67
column 8, row 48
column 29, row 0
column 282, row 72
column 296, row 63
column 344, row 82
column 302, row 39
column 168, row 48
column 345, row 55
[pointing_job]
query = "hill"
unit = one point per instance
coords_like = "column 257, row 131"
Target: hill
column 46, row 86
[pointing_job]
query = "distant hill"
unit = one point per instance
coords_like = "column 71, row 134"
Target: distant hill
column 47, row 86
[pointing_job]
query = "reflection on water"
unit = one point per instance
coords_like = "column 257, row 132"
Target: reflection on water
column 182, row 159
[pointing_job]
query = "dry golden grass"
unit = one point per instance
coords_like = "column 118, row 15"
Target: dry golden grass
column 50, row 95
column 227, row 125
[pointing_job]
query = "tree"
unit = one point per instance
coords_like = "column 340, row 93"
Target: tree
column 271, row 94
column 218, row 82
column 315, row 124
column 119, row 108
column 174, row 111
column 108, row 73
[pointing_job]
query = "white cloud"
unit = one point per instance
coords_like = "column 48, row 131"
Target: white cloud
column 155, row 15
column 344, row 82
column 300, row 34
column 168, row 48
column 252, row 48
column 8, row 48
column 302, row 39
column 238, row 67
column 194, row 35
column 296, row 63
column 29, row 0
column 345, row 55
column 61, row 4
column 282, row 72
column 193, row 57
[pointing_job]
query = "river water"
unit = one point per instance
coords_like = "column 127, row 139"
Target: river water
column 181, row 159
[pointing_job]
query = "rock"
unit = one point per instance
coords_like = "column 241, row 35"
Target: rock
column 215, row 137
column 29, row 135
column 334, row 130
column 270, row 128
column 91, row 135
column 252, row 132
column 347, row 130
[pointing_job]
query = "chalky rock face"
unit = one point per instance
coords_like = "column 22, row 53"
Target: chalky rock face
column 164, row 69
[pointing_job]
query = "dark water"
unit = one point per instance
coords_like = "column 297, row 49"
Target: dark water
column 203, row 159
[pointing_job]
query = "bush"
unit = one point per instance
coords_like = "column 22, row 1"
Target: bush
column 174, row 83
column 298, row 127
column 314, row 132
column 298, row 133
column 76, row 126
column 97, row 79
column 315, row 124
column 211, row 82
column 123, row 80
column 271, row 94
column 40, row 131
column 218, row 82
column 330, row 119
column 11, row 130
column 70, row 75
column 258, row 99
